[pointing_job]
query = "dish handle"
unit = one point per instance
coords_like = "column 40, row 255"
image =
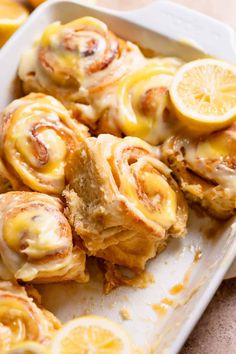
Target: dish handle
column 175, row 21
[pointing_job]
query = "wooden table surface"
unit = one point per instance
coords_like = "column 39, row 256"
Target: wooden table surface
column 216, row 331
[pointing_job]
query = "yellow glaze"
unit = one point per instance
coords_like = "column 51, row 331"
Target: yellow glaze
column 133, row 119
column 214, row 147
column 36, row 227
column 161, row 205
column 50, row 31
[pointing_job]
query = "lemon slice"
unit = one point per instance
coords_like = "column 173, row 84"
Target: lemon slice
column 28, row 347
column 203, row 94
column 91, row 334
column 12, row 15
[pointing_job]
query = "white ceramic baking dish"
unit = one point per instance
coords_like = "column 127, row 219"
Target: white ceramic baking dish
column 167, row 28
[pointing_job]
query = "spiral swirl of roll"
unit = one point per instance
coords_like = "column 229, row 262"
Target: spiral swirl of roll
column 21, row 319
column 122, row 200
column 206, row 169
column 73, row 60
column 37, row 135
column 36, row 240
column 141, row 104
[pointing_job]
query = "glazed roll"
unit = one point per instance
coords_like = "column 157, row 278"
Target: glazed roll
column 36, row 240
column 73, row 60
column 36, row 136
column 21, row 319
column 205, row 169
column 140, row 105
column 122, row 201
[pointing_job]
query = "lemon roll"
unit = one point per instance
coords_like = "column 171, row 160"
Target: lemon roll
column 205, row 169
column 122, row 200
column 36, row 240
column 21, row 319
column 70, row 61
column 36, row 136
column 141, row 105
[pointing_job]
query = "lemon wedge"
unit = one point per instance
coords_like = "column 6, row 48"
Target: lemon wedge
column 28, row 347
column 91, row 334
column 12, row 16
column 203, row 94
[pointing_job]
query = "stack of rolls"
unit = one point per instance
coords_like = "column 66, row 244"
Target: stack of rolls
column 121, row 201
column 120, row 198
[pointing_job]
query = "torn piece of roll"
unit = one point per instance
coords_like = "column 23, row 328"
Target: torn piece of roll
column 36, row 240
column 21, row 319
column 122, row 201
column 73, row 60
column 205, row 169
column 36, row 136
